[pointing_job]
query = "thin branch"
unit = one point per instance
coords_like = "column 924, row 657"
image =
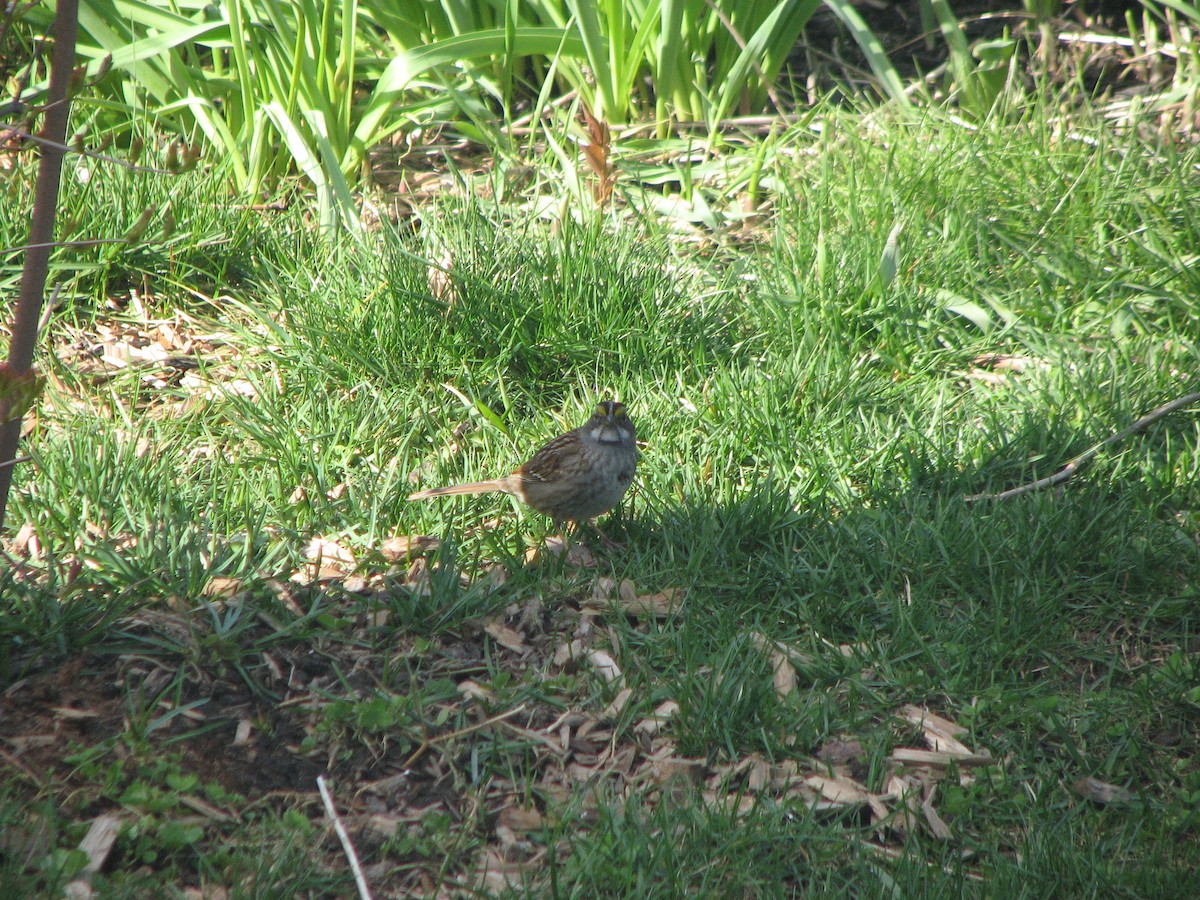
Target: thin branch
column 1071, row 468
column 13, row 462
column 25, row 248
column 364, row 890
column 461, row 732
column 48, row 309
column 90, row 154
column 28, row 307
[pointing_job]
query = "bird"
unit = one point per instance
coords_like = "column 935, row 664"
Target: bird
column 573, row 478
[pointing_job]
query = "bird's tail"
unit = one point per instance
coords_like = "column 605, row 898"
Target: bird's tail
column 475, row 487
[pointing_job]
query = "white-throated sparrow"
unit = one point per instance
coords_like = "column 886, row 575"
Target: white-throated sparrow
column 575, row 477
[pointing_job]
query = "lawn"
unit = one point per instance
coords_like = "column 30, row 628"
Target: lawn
column 813, row 665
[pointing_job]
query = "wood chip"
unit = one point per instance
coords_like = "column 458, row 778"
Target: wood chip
column 937, row 827
column 565, row 653
column 940, row 758
column 838, row 790
column 663, row 714
column 942, row 734
column 96, row 845
column 606, row 667
column 241, row 736
column 760, row 774
column 619, row 702
column 67, row 712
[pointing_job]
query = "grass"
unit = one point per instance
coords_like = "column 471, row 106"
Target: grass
column 810, row 425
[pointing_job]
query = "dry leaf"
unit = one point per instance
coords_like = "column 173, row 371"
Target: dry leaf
column 739, row 804
column 284, row 595
column 784, row 675
column 505, row 636
column 26, row 538
column 402, row 546
column 417, row 578
column 221, row 588
column 383, row 826
column 321, row 549
column 313, row 573
column 1102, row 793
column 520, row 818
column 578, row 555
column 603, row 589
column 441, row 282
column 839, row 752
column 496, row 875
column 660, row 605
column 476, row 691
column 624, row 595
column 667, row 769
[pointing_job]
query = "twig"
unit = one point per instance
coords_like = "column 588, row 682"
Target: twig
column 48, row 310
column 26, row 312
column 461, row 732
column 13, row 462
column 364, row 891
column 83, row 151
column 1087, row 456
column 23, row 248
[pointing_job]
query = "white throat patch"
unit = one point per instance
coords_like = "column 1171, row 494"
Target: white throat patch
column 609, row 434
